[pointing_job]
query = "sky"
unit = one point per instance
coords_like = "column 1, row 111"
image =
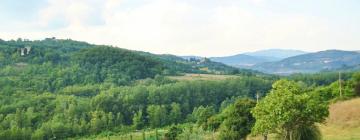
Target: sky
column 188, row 27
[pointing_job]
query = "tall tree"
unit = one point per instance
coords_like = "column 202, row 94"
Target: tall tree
column 286, row 110
column 138, row 120
column 175, row 113
column 157, row 115
column 238, row 120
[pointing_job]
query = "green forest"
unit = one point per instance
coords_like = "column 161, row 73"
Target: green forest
column 65, row 89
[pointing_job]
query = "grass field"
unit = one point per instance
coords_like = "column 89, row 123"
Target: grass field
column 343, row 122
column 202, row 77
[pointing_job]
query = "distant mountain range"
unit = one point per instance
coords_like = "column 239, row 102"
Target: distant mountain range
column 249, row 59
column 312, row 62
column 241, row 60
column 284, row 62
column 275, row 54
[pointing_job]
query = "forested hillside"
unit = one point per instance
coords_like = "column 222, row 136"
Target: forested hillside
column 51, row 64
column 53, row 89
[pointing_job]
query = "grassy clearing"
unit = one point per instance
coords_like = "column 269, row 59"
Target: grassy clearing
column 189, row 76
column 343, row 122
column 345, row 113
column 333, row 132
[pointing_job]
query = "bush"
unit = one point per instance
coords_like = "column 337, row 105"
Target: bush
column 173, row 132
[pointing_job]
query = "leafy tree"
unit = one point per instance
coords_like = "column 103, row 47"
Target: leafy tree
column 287, row 109
column 119, row 119
column 173, row 132
column 175, row 113
column 201, row 114
column 356, row 80
column 98, row 121
column 238, row 120
column 157, row 115
column 138, row 120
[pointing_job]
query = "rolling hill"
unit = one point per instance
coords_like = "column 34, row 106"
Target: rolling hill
column 311, row 62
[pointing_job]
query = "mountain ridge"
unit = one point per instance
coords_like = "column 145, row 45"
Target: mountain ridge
column 249, row 59
column 311, row 62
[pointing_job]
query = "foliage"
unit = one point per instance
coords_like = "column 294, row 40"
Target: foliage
column 356, row 83
column 238, row 120
column 173, row 132
column 321, row 78
column 92, row 109
column 138, row 120
column 157, row 115
column 287, row 109
column 201, row 114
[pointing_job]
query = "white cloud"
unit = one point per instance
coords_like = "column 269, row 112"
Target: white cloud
column 182, row 27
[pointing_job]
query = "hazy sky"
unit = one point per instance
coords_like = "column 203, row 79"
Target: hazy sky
column 188, row 27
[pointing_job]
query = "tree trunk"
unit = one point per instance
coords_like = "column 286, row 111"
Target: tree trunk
column 285, row 136
column 265, row 137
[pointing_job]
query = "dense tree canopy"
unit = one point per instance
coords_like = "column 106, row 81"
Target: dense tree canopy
column 238, row 120
column 91, row 109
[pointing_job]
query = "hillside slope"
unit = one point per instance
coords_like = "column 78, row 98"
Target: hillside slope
column 53, row 64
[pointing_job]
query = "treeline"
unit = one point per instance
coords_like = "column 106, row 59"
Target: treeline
column 321, row 78
column 91, row 109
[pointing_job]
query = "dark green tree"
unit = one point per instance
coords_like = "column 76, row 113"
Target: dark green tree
column 175, row 113
column 138, row 120
column 238, row 120
column 173, row 132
